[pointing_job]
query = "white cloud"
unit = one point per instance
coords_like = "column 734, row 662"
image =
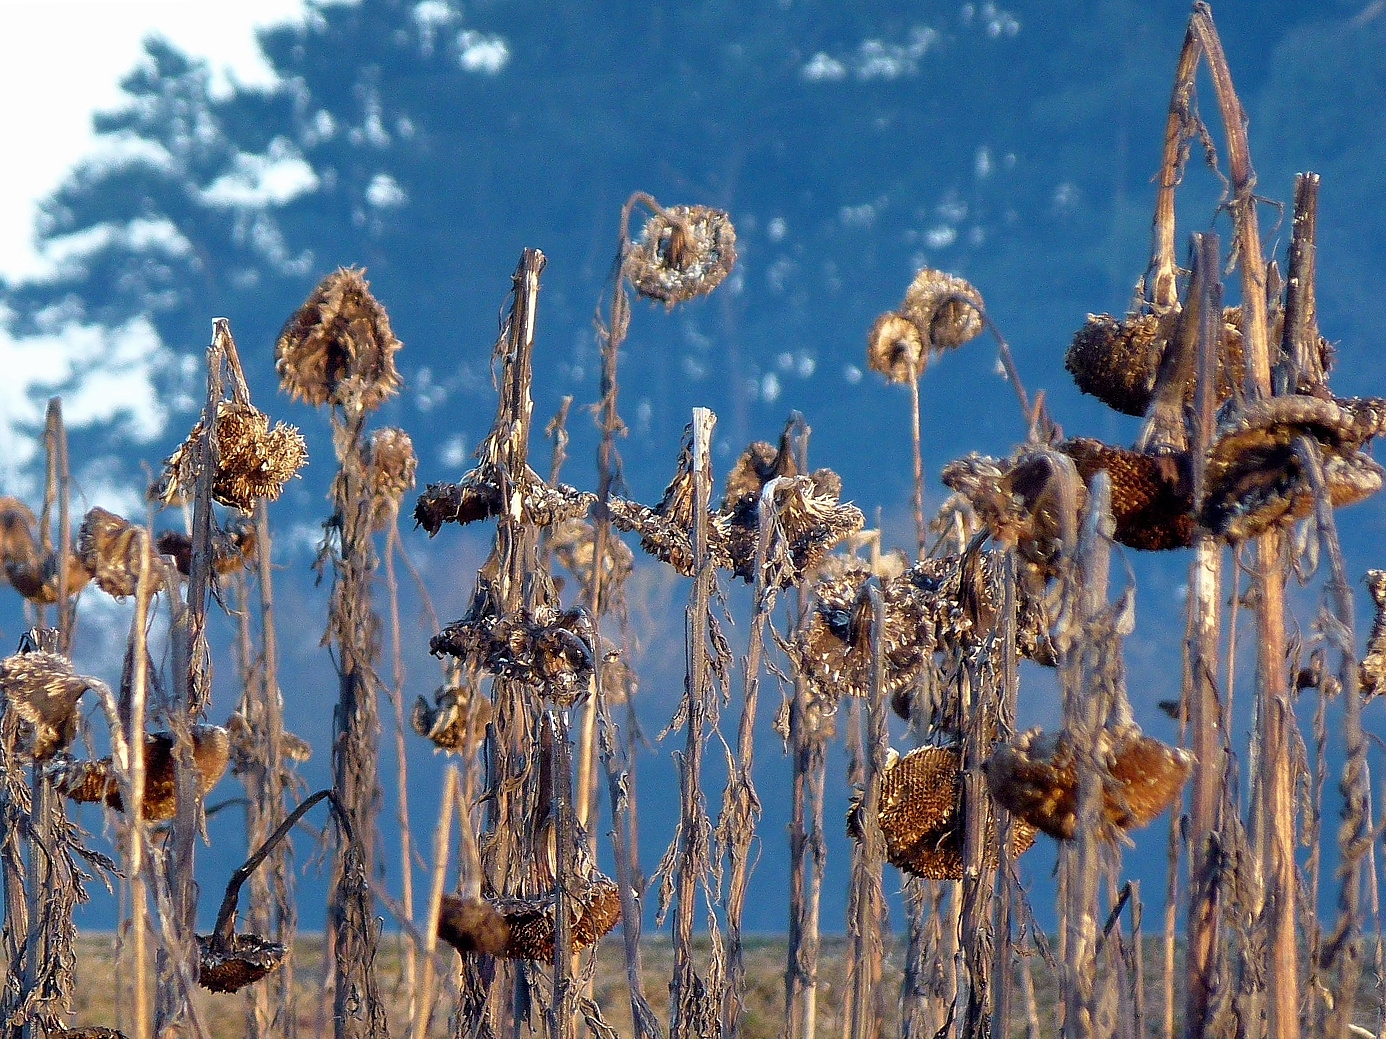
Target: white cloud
column 479, row 52
column 272, row 179
column 823, row 68
column 873, row 59
column 384, row 192
column 104, row 375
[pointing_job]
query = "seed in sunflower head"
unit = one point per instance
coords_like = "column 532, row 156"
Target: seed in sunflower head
column 338, row 347
column 684, row 252
column 42, row 689
column 922, row 815
column 946, row 309
column 1035, row 776
column 229, row 966
column 1254, row 478
column 456, row 720
column 252, row 461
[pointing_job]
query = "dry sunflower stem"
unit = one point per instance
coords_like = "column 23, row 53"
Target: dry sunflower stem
column 682, row 253
column 922, row 814
column 253, row 461
column 1035, row 777
column 96, row 781
column 338, row 348
column 42, row 689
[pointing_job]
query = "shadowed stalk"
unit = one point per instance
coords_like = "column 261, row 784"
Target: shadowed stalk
column 866, row 903
column 696, row 1000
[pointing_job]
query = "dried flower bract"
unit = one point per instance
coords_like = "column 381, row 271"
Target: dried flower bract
column 338, row 347
column 252, row 460
column 684, row 252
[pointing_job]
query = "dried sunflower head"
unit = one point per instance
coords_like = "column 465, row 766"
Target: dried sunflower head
column 1254, row 478
column 390, row 468
column 232, row 548
column 1035, row 776
column 473, row 925
column 1118, row 361
column 110, row 548
column 249, row 748
column 684, row 252
column 896, row 348
column 252, row 460
column 574, row 545
column 478, row 496
column 594, row 911
column 922, row 814
column 231, row 965
column 38, row 580
column 95, row 781
column 808, row 522
column 18, row 541
column 42, row 689
column 946, row 309
column 84, row 1032
column 1152, row 497
column 456, row 720
column 338, row 347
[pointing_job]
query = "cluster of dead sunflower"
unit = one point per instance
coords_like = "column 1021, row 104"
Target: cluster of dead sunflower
column 482, row 494
column 524, row 928
column 940, row 312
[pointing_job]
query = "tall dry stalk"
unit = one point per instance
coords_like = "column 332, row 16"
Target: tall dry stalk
column 695, row 998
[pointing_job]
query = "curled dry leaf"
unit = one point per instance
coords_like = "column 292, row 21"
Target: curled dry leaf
column 338, row 348
column 456, row 720
column 42, row 689
column 252, row 460
column 95, row 781
column 1035, row 776
column 229, row 965
column 922, row 815
column 1254, row 477
column 523, row 929
column 684, row 252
